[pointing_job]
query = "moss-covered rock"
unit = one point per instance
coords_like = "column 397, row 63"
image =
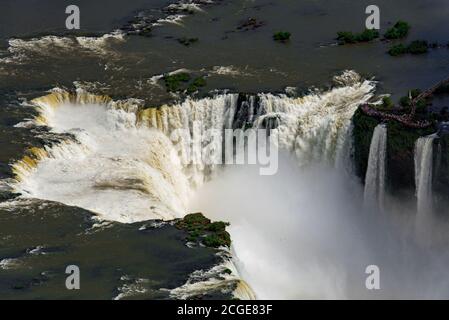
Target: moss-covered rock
column 201, row 230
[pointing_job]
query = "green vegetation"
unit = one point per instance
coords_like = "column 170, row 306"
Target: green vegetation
column 367, row 35
column 387, row 103
column 173, row 82
column 418, row 47
column 200, row 229
column 405, row 101
column 196, row 84
column 415, row 47
column 282, row 36
column 182, row 82
column 398, row 50
column 421, row 105
column 348, row 37
column 398, row 31
column 217, row 240
column 187, row 41
column 400, row 145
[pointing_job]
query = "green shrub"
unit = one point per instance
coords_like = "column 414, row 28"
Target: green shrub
column 282, row 36
column 217, row 240
column 367, row 35
column 415, row 47
column 418, row 47
column 196, row 84
column 397, row 50
column 405, row 101
column 387, row 103
column 346, row 37
column 349, row 37
column 199, row 82
column 193, row 222
column 173, row 82
column 217, row 226
column 415, row 92
column 421, row 106
column 398, row 31
column 200, row 228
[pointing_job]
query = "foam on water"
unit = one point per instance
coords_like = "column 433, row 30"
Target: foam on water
column 22, row 50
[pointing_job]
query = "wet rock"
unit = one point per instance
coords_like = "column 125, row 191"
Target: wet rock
column 250, row 24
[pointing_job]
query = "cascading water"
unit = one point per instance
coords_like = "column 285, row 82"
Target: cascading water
column 127, row 163
column 374, row 194
column 297, row 234
column 423, row 176
column 122, row 150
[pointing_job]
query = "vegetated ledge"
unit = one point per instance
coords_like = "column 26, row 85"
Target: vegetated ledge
column 404, row 119
column 183, row 82
column 405, row 124
column 408, row 119
column 200, row 230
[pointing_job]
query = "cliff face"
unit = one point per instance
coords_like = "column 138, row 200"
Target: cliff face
column 401, row 158
column 400, row 152
column 441, row 173
column 363, row 128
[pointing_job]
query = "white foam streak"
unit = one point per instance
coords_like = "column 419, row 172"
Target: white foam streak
column 21, row 50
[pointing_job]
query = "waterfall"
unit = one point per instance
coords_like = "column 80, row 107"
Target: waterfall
column 126, row 162
column 423, row 175
column 374, row 194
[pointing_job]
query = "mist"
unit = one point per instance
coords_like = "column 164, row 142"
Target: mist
column 303, row 234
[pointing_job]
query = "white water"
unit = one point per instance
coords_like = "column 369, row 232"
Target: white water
column 423, row 177
column 53, row 46
column 375, row 174
column 297, row 234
